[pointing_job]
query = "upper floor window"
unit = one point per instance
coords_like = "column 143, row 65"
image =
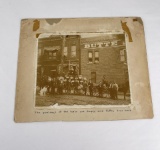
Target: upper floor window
column 90, row 57
column 65, row 51
column 122, row 55
column 93, row 56
column 96, row 57
column 52, row 55
column 73, row 51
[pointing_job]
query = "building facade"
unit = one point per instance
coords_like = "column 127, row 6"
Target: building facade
column 104, row 55
column 57, row 54
column 93, row 57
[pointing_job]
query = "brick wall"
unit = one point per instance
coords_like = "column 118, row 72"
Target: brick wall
column 109, row 64
column 56, row 42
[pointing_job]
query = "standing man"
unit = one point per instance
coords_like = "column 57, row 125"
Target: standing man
column 85, row 85
column 61, row 85
column 125, row 88
column 53, row 85
column 111, row 90
column 90, row 85
column 115, row 90
column 76, row 84
column 104, row 81
column 100, row 89
column 68, row 86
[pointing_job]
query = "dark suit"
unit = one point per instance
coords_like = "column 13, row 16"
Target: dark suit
column 90, row 85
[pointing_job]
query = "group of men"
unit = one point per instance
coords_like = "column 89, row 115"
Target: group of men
column 78, row 85
column 109, row 88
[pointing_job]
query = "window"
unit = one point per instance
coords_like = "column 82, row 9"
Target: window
column 93, row 77
column 122, row 55
column 90, row 57
column 96, row 57
column 73, row 51
column 45, row 54
column 52, row 55
column 93, row 56
column 65, row 51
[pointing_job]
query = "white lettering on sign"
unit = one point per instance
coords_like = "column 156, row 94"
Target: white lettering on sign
column 93, row 45
column 87, row 46
column 102, row 44
column 99, row 44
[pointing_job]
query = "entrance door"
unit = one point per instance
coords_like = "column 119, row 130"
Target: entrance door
column 93, row 77
column 54, row 73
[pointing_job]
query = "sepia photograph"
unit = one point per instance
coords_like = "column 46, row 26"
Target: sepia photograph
column 80, row 75
column 85, row 69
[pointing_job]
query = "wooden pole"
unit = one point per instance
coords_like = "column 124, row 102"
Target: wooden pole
column 62, row 53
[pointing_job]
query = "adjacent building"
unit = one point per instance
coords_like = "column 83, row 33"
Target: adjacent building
column 56, row 54
column 104, row 55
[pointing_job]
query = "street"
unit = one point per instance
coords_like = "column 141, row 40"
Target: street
column 49, row 100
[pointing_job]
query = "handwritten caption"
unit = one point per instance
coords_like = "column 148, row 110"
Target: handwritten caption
column 83, row 111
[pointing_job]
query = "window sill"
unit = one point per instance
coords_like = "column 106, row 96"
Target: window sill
column 90, row 63
column 93, row 63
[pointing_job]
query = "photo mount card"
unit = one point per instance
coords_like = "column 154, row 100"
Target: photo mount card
column 82, row 69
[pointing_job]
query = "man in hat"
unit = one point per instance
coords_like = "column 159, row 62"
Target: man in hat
column 76, row 83
column 111, row 90
column 53, row 85
column 104, row 81
column 115, row 90
column 72, row 86
column 80, row 87
column 68, row 86
column 100, row 89
column 90, row 85
column 85, row 85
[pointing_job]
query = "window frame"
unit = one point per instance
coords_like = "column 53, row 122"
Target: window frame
column 122, row 55
column 71, row 56
column 65, row 48
column 90, row 52
column 95, row 57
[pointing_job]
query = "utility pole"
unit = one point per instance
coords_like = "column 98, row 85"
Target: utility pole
column 62, row 53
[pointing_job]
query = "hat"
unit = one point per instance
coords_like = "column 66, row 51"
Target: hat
column 61, row 78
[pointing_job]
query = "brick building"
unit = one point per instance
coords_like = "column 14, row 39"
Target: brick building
column 104, row 55
column 93, row 57
column 57, row 53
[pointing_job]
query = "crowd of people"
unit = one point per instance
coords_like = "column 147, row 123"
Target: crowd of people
column 76, row 85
